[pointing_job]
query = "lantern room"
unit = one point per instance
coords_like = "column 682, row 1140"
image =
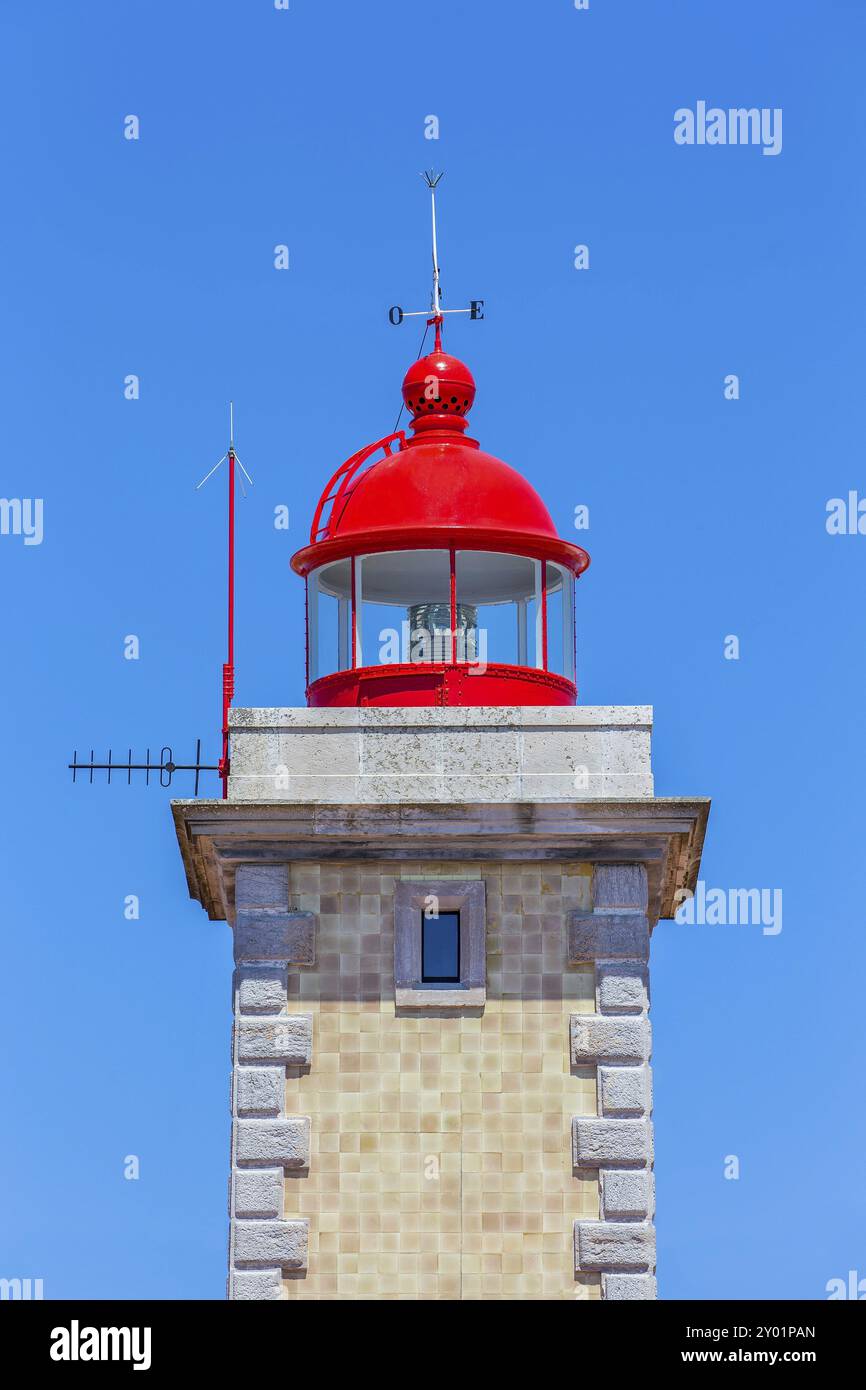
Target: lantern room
column 434, row 572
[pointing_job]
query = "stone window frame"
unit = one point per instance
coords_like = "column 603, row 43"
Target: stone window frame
column 466, row 896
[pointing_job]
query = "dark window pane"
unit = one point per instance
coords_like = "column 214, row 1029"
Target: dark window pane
column 440, row 948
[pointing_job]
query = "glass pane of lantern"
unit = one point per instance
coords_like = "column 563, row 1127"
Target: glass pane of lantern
column 560, row 623
column 496, row 604
column 330, row 616
column 405, row 609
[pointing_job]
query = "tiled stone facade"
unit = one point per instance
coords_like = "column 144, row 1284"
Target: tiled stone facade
column 495, row 1150
column 440, row 1151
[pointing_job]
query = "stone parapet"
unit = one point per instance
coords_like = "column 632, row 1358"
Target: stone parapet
column 395, row 755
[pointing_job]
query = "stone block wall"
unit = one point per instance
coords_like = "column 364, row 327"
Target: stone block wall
column 495, row 1153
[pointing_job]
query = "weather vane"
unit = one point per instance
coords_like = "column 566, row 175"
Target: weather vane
column 435, row 313
column 166, row 766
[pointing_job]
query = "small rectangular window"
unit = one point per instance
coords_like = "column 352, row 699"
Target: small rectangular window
column 439, row 962
column 440, row 949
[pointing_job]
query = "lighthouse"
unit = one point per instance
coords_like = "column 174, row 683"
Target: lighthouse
column 442, row 875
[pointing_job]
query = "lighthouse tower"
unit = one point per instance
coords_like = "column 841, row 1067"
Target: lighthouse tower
column 442, row 876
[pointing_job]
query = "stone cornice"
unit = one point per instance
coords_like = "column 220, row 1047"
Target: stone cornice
column 664, row 833
column 451, row 716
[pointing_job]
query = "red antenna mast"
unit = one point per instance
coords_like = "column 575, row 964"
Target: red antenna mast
column 165, row 765
column 228, row 686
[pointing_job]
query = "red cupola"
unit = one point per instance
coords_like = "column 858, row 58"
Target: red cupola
column 434, row 573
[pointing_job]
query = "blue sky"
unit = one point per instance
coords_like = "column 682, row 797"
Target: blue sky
column 605, row 387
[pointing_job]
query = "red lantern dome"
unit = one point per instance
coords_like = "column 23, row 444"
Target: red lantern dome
column 435, row 575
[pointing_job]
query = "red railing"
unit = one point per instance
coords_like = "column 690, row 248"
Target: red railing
column 345, row 480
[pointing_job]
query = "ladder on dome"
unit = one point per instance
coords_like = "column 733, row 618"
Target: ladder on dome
column 344, row 476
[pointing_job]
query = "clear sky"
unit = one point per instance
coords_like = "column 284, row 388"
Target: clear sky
column 606, row 387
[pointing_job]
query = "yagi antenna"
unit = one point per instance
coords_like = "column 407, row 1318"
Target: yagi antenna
column 165, row 765
column 435, row 313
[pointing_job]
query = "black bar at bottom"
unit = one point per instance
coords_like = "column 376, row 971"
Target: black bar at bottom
column 72, row 1337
